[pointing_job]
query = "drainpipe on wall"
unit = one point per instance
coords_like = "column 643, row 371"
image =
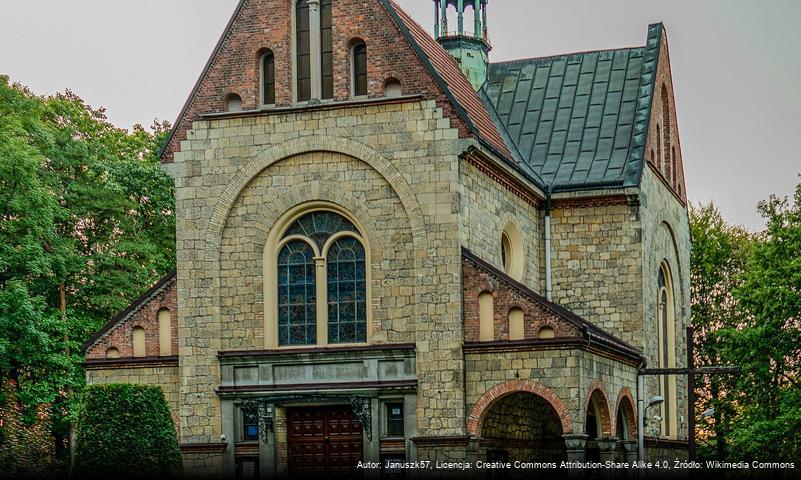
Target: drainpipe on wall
column 641, row 414
column 548, row 260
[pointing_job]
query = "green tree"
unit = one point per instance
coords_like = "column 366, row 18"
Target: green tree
column 717, row 264
column 86, row 224
column 767, row 340
column 125, row 430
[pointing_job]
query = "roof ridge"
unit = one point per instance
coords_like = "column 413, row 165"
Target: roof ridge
column 570, row 54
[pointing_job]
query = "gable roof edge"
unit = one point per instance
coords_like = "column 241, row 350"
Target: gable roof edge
column 131, row 309
column 642, row 119
column 600, row 335
column 203, row 73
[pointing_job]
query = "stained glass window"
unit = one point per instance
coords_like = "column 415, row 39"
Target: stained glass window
column 347, row 303
column 320, row 226
column 297, row 295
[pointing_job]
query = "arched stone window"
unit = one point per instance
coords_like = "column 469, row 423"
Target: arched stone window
column 138, row 334
column 165, row 333
column 267, row 78
column 322, row 282
column 666, row 323
column 512, row 251
column 486, row 317
column 516, row 324
column 359, row 68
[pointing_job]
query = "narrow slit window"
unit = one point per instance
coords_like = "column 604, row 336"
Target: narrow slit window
column 268, row 78
column 360, row 69
column 303, row 47
column 326, row 50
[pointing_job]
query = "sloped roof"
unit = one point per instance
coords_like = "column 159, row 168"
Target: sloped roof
column 134, row 307
column 578, row 120
column 591, row 331
column 448, row 74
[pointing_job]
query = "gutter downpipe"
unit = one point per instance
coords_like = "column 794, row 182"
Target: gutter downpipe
column 641, row 414
column 548, row 260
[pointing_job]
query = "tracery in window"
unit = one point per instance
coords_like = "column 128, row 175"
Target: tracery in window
column 347, row 307
column 322, row 284
column 297, row 294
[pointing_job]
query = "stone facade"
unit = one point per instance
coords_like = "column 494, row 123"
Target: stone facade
column 429, row 198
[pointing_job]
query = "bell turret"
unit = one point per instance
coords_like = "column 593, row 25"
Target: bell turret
column 470, row 49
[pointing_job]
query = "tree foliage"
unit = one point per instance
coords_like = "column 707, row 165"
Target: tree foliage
column 86, row 224
column 747, row 308
column 125, row 430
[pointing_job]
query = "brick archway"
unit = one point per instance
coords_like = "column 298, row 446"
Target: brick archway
column 625, row 401
column 483, row 405
column 597, row 392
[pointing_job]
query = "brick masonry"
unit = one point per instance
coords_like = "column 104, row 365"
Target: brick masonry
column 147, row 317
column 505, row 298
column 266, row 24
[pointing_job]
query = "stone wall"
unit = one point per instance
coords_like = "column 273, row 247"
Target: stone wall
column 235, row 176
column 570, row 375
column 147, row 317
column 666, row 239
column 486, row 208
column 597, row 264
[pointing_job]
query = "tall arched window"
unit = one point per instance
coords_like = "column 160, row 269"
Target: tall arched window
column 326, row 50
column 322, row 282
column 667, row 349
column 347, row 308
column 359, row 63
column 165, row 333
column 297, row 294
column 659, row 160
column 138, row 334
column 268, row 78
column 303, row 51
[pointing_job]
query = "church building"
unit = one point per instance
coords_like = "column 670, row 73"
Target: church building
column 391, row 248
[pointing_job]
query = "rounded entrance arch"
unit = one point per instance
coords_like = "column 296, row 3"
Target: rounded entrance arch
column 522, row 426
column 625, row 418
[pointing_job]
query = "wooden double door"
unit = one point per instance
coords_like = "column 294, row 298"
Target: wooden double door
column 324, row 441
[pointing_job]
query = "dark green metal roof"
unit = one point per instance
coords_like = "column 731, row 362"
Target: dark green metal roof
column 578, row 120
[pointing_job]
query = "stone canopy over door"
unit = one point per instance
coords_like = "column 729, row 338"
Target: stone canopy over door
column 326, row 440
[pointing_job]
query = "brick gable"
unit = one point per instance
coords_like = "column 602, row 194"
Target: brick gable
column 143, row 313
column 258, row 25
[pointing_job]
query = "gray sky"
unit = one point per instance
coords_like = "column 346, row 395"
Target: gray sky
column 736, row 68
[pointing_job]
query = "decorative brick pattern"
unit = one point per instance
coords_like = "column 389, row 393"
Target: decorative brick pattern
column 147, row 317
column 505, row 298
